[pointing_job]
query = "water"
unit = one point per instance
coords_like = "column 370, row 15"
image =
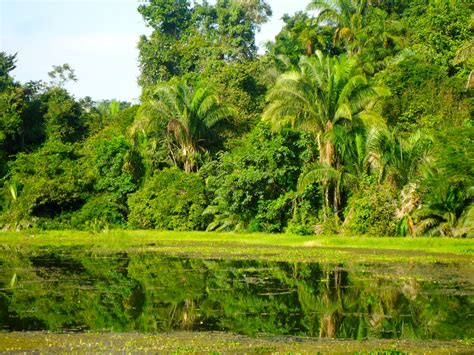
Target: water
column 75, row 290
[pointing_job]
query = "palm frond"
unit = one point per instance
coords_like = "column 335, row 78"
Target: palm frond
column 319, row 173
column 185, row 114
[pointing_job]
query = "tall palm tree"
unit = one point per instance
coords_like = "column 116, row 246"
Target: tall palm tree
column 358, row 25
column 396, row 159
column 346, row 16
column 325, row 92
column 400, row 161
column 185, row 115
column 336, row 178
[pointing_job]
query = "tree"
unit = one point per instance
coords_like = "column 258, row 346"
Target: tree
column 423, row 96
column 347, row 17
column 400, row 162
column 188, row 39
column 300, row 37
column 114, row 170
column 252, row 185
column 446, row 190
column 171, row 200
column 64, row 120
column 362, row 27
column 12, row 103
column 396, row 159
column 436, row 29
column 7, row 64
column 186, row 115
column 160, row 54
column 325, row 92
column 169, row 17
column 61, row 74
column 447, row 210
column 48, row 183
column 237, row 23
column 465, row 56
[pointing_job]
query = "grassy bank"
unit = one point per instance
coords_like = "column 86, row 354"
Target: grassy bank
column 257, row 246
column 211, row 342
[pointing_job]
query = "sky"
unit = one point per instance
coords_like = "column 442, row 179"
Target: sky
column 97, row 38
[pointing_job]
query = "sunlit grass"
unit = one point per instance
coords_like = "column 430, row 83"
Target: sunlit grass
column 261, row 246
column 212, row 342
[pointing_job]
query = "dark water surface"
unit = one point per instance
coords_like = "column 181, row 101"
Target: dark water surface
column 66, row 290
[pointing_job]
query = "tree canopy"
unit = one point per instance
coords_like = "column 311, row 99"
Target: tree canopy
column 357, row 119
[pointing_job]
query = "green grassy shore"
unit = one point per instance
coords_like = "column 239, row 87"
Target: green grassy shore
column 253, row 246
column 215, row 342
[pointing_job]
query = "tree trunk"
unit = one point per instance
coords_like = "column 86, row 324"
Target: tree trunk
column 189, row 153
column 337, row 193
column 326, row 199
column 187, row 166
column 326, row 157
column 336, row 205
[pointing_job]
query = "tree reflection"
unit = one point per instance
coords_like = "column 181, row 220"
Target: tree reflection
column 79, row 290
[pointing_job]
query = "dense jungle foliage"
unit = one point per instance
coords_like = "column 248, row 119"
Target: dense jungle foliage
column 357, row 119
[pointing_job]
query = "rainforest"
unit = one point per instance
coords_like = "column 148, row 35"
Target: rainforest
column 357, row 119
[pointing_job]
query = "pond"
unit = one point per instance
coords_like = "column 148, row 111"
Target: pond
column 77, row 290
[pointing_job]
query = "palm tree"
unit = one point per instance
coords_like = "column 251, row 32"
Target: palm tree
column 353, row 149
column 338, row 178
column 447, row 211
column 358, row 25
column 223, row 218
column 185, row 116
column 396, row 159
column 325, row 92
column 346, row 16
column 465, row 55
column 401, row 162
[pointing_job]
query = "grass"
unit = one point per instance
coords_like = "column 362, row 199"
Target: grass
column 213, row 342
column 281, row 247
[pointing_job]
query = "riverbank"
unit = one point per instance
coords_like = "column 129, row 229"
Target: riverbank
column 186, row 342
column 281, row 247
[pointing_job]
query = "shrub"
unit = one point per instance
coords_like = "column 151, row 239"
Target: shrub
column 99, row 212
column 47, row 183
column 372, row 211
column 117, row 168
column 252, row 184
column 273, row 215
column 171, row 200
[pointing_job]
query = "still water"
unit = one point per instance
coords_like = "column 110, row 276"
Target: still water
column 75, row 290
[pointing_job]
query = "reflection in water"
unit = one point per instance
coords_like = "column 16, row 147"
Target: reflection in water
column 77, row 290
